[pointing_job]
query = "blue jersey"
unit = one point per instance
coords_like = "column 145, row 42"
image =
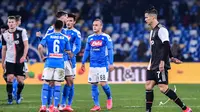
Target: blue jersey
column 56, row 44
column 63, row 31
column 100, row 49
column 74, row 37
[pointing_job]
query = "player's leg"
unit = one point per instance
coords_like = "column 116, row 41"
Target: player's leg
column 50, row 94
column 19, row 72
column 15, row 83
column 71, row 93
column 94, row 79
column 67, row 87
column 150, row 83
column 162, row 78
column 58, row 77
column 47, row 76
column 44, row 95
column 103, row 78
column 10, row 77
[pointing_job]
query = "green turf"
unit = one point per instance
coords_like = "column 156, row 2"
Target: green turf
column 126, row 98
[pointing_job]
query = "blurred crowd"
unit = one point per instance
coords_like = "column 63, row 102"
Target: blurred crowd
column 123, row 21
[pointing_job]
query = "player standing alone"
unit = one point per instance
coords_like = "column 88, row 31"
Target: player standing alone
column 159, row 65
column 57, row 44
column 100, row 48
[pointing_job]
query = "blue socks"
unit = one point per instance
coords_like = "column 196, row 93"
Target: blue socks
column 95, row 94
column 56, row 95
column 65, row 94
column 106, row 89
column 50, row 95
column 14, row 92
column 45, row 90
column 71, row 95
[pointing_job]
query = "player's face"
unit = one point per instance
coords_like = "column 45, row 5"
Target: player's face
column 19, row 23
column 12, row 23
column 148, row 18
column 97, row 26
column 63, row 18
column 70, row 22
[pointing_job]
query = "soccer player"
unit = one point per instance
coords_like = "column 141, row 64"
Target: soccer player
column 60, row 15
column 14, row 52
column 74, row 37
column 157, row 73
column 15, row 83
column 100, row 48
column 57, row 44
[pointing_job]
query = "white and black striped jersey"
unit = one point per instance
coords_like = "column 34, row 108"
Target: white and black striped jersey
column 14, row 41
column 157, row 36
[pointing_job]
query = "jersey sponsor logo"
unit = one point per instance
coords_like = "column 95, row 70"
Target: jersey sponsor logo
column 96, row 43
column 56, row 55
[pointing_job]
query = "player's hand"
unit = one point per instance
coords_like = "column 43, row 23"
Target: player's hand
column 4, row 66
column 44, row 59
column 83, row 67
column 161, row 66
column 22, row 59
column 111, row 68
column 38, row 34
column 176, row 61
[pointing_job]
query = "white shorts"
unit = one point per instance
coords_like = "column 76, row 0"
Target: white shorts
column 68, row 69
column 53, row 74
column 74, row 72
column 97, row 74
column 25, row 69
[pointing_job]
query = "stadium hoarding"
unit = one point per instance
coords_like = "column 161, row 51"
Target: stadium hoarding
column 124, row 73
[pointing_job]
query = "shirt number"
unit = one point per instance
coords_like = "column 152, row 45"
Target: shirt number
column 56, row 47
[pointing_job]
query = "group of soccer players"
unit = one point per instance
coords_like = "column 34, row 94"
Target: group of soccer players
column 62, row 46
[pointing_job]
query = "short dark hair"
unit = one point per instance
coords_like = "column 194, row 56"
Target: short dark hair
column 18, row 17
column 152, row 10
column 60, row 13
column 99, row 21
column 58, row 25
column 12, row 17
column 72, row 15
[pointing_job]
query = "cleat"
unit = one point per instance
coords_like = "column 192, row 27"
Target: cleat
column 43, row 109
column 109, row 104
column 68, row 108
column 188, row 109
column 50, row 109
column 56, row 110
column 10, row 101
column 61, row 107
column 95, row 108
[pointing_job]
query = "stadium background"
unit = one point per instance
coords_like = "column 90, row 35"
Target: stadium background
column 124, row 22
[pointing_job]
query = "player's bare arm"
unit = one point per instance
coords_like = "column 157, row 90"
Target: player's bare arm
column 41, row 50
column 3, row 53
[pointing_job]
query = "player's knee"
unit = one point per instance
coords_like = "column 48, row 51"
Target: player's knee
column 148, row 85
column 163, row 87
column 10, row 78
column 103, row 83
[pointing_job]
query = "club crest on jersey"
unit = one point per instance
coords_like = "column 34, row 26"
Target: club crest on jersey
column 68, row 36
column 17, row 35
column 96, row 43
